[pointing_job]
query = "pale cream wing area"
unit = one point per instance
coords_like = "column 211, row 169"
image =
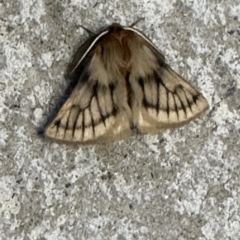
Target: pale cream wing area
column 162, row 99
column 94, row 112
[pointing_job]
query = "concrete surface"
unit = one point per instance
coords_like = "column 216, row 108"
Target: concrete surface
column 184, row 184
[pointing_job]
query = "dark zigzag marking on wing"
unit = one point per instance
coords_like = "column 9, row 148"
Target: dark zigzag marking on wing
column 175, row 104
column 98, row 105
column 103, row 117
column 57, row 124
column 189, row 102
column 195, row 98
column 94, row 123
column 112, row 88
column 93, row 126
column 160, row 82
column 158, row 95
column 182, row 104
column 66, row 126
column 75, row 122
column 141, row 83
column 168, row 104
column 83, row 125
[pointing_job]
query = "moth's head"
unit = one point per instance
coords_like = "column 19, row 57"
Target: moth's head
column 115, row 27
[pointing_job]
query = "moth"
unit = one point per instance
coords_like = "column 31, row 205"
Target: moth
column 123, row 83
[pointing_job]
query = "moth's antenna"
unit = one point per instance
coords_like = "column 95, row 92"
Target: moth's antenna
column 87, row 30
column 140, row 19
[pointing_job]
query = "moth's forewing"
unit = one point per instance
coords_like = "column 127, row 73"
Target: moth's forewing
column 148, row 42
column 92, row 113
column 82, row 52
column 78, row 56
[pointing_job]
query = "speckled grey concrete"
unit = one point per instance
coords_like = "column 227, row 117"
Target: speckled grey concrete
column 184, row 184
